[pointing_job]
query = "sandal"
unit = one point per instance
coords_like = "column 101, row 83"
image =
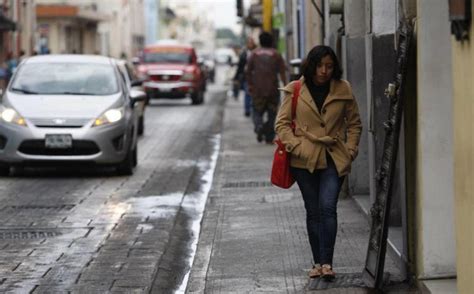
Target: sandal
column 327, row 273
column 315, row 272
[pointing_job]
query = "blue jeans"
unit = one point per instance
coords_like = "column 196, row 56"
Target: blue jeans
column 266, row 128
column 247, row 100
column 320, row 191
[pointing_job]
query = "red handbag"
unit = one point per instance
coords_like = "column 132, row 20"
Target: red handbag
column 281, row 175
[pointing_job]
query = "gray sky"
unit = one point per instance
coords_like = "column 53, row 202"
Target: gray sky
column 223, row 12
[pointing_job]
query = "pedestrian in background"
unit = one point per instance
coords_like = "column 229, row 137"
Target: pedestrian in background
column 239, row 78
column 21, row 56
column 11, row 63
column 322, row 146
column 263, row 68
column 3, row 75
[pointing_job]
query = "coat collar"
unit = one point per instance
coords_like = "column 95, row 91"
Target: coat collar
column 338, row 90
column 305, row 96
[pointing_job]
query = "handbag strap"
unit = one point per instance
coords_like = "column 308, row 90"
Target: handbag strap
column 294, row 102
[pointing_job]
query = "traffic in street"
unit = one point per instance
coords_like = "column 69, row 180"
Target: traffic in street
column 90, row 230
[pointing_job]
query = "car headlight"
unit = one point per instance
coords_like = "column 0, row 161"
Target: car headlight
column 109, row 117
column 188, row 76
column 10, row 115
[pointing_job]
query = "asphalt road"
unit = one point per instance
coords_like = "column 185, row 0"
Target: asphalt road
column 90, row 231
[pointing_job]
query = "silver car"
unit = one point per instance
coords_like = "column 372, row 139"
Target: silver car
column 133, row 84
column 69, row 109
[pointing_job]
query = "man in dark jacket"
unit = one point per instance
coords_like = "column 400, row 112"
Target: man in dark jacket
column 263, row 68
column 239, row 77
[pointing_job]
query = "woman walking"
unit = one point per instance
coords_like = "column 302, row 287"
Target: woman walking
column 323, row 145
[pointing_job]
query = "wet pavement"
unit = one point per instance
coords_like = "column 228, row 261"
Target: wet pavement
column 89, row 231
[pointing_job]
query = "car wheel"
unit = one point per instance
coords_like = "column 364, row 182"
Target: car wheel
column 202, row 97
column 135, row 156
column 125, row 168
column 197, row 98
column 141, row 125
column 4, row 170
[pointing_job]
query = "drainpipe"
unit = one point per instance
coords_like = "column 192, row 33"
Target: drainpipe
column 303, row 28
column 337, row 7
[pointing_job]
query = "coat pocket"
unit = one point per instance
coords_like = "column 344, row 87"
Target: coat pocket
column 344, row 149
column 342, row 158
column 305, row 149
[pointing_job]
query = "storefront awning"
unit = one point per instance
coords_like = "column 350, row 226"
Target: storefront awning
column 6, row 24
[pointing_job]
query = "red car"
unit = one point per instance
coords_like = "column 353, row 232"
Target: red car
column 171, row 70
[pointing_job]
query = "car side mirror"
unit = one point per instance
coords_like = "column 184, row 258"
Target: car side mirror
column 136, row 83
column 135, row 60
column 137, row 96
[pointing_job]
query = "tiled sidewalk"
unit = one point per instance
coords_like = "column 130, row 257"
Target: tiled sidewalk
column 253, row 236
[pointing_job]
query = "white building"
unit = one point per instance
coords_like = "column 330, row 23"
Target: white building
column 124, row 34
column 68, row 26
column 192, row 24
column 108, row 27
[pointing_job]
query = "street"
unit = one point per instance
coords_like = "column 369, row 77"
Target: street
column 89, row 231
column 155, row 122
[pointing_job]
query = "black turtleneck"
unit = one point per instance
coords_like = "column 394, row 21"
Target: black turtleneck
column 319, row 93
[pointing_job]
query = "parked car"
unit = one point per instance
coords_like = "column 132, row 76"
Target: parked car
column 171, row 70
column 63, row 109
column 133, row 84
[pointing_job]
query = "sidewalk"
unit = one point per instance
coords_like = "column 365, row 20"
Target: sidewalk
column 253, row 236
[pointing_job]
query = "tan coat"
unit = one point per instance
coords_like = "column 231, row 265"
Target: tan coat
column 336, row 129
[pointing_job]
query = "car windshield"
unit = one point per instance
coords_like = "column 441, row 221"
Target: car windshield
column 167, row 56
column 65, row 78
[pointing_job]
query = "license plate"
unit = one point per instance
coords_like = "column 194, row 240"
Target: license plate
column 62, row 141
column 165, row 90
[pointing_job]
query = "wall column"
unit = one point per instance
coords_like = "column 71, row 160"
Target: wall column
column 435, row 229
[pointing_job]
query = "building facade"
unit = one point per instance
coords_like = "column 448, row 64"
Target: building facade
column 192, row 24
column 431, row 215
column 17, row 32
column 17, row 26
column 68, row 28
column 123, row 35
column 462, row 53
column 110, row 27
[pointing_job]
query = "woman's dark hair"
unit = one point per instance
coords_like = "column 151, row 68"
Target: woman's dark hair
column 266, row 40
column 314, row 58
